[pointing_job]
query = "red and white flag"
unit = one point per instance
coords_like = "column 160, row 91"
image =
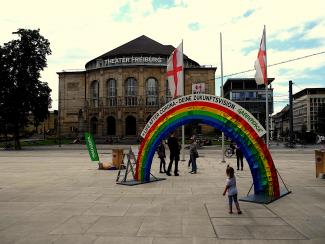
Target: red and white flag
column 260, row 63
column 175, row 72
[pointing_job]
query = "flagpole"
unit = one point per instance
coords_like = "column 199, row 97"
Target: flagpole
column 266, row 95
column 183, row 127
column 221, row 94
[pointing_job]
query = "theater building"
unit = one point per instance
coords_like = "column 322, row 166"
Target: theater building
column 119, row 91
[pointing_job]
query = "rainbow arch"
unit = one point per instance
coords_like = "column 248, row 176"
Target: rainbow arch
column 223, row 114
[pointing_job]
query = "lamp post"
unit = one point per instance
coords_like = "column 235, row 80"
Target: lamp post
column 221, row 94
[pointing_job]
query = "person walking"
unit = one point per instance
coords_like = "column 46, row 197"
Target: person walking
column 191, row 140
column 193, row 155
column 231, row 189
column 174, row 149
column 240, row 158
column 162, row 156
column 232, row 146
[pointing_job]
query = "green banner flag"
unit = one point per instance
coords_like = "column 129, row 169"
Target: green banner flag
column 91, row 146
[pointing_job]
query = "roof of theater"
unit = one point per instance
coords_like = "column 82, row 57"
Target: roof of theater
column 142, row 45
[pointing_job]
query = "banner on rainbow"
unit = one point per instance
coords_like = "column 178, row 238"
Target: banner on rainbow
column 206, row 98
column 225, row 115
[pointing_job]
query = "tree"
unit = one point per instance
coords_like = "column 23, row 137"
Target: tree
column 4, row 72
column 22, row 93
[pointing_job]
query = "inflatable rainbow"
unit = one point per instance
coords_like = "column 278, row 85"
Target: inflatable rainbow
column 223, row 114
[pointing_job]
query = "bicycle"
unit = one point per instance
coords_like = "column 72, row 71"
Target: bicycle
column 229, row 152
column 290, row 144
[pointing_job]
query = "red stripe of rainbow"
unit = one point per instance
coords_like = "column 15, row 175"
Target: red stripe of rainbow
column 234, row 126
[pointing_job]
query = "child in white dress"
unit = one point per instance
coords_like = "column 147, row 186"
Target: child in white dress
column 232, row 189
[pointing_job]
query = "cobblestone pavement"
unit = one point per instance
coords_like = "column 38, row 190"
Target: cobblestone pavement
column 56, row 195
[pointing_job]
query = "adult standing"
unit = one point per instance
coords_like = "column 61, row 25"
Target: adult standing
column 192, row 140
column 162, row 156
column 193, row 155
column 240, row 158
column 174, row 149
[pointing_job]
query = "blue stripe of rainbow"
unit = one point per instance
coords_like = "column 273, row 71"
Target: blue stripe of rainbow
column 254, row 149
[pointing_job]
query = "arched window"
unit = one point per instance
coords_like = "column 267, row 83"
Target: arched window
column 130, row 125
column 111, row 93
column 111, row 125
column 152, row 92
column 93, row 125
column 167, row 92
column 131, row 92
column 94, row 93
column 148, row 118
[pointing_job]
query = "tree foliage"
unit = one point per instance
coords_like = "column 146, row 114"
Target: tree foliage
column 22, row 95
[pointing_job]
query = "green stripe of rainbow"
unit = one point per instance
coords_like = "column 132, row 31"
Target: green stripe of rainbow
column 234, row 126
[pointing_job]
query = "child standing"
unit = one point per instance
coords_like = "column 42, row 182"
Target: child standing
column 232, row 189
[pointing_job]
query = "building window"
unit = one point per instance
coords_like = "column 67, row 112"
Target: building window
column 93, row 125
column 250, row 95
column 111, row 93
column 238, row 96
column 261, row 95
column 111, row 125
column 152, row 92
column 131, row 92
column 130, row 125
column 235, row 96
column 148, row 118
column 94, row 91
column 167, row 92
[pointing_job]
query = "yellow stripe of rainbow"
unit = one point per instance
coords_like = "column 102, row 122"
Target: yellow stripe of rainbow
column 266, row 176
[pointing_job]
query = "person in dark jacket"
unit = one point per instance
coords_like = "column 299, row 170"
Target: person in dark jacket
column 174, row 149
column 232, row 146
column 240, row 158
column 162, row 156
column 193, row 155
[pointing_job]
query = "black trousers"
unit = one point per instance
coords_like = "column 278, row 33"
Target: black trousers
column 240, row 158
column 162, row 164
column 193, row 161
column 172, row 158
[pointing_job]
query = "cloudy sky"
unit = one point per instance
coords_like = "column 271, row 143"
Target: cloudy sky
column 82, row 30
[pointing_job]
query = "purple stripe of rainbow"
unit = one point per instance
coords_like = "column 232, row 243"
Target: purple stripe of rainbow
column 256, row 153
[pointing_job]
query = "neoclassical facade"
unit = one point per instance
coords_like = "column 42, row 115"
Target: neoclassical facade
column 119, row 91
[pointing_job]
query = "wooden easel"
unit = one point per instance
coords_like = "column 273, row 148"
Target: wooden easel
column 126, row 168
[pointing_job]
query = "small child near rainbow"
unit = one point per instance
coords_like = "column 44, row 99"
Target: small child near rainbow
column 231, row 189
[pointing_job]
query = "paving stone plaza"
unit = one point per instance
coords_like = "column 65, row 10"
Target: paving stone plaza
column 56, row 195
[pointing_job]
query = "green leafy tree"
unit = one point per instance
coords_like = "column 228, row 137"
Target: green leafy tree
column 22, row 92
column 4, row 72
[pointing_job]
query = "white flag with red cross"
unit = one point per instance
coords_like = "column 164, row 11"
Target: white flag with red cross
column 175, row 72
column 260, row 63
